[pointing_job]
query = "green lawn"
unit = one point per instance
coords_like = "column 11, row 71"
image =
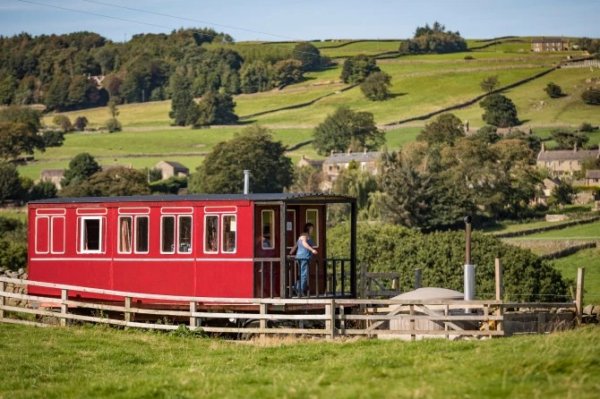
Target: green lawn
column 590, row 259
column 84, row 362
column 587, row 231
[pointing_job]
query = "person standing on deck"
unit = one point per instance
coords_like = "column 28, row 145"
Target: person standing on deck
column 304, row 251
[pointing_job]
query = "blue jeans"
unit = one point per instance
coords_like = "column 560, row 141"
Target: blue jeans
column 302, row 283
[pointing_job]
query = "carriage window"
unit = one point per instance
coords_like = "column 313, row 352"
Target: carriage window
column 185, row 234
column 125, row 234
column 141, row 234
column 268, row 229
column 91, row 235
column 229, row 233
column 168, row 234
column 211, row 234
column 312, row 216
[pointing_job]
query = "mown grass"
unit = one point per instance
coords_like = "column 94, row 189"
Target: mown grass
column 590, row 259
column 587, row 231
column 78, row 362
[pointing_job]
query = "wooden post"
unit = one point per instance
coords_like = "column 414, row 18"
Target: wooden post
column 363, row 280
column 64, row 297
column 579, row 292
column 412, row 322
column 2, row 299
column 193, row 319
column 342, row 321
column 262, row 322
column 353, row 221
column 498, row 279
column 418, row 275
column 330, row 322
column 127, row 309
column 446, row 312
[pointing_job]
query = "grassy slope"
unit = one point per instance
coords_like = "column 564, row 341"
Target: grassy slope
column 590, row 259
column 580, row 232
column 100, row 362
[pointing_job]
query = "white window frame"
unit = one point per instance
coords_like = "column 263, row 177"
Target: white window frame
column 271, row 233
column 204, row 235
column 135, row 236
column 81, row 249
column 178, row 242
column 48, row 234
column 223, row 233
column 162, row 218
column 317, row 239
column 119, row 233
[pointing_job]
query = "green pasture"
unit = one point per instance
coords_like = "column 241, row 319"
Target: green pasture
column 590, row 259
column 587, row 231
column 78, row 362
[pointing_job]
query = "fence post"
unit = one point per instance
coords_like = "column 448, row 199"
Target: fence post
column 330, row 321
column 363, row 280
column 2, row 299
column 193, row 320
column 579, row 292
column 499, row 291
column 262, row 323
column 342, row 321
column 412, row 322
column 418, row 275
column 64, row 297
column 127, row 314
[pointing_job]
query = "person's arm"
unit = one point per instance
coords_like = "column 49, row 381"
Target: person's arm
column 306, row 245
column 293, row 249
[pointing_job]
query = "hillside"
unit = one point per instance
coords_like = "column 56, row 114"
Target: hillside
column 420, row 84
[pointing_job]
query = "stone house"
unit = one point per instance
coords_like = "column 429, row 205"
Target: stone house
column 592, row 177
column 333, row 165
column 542, row 44
column 54, row 176
column 564, row 162
column 172, row 168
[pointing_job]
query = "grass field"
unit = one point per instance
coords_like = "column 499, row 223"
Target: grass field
column 79, row 362
column 587, row 231
column 590, row 259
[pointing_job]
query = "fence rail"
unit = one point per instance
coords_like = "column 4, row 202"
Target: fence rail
column 329, row 317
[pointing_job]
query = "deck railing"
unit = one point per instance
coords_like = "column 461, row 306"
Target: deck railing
column 327, row 317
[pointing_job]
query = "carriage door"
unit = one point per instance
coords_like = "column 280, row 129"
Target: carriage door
column 266, row 247
column 315, row 214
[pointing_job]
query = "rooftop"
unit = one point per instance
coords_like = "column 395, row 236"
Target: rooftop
column 176, row 165
column 258, row 197
column 346, row 157
column 567, row 155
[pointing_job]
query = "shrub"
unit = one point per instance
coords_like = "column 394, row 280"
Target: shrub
column 13, row 243
column 553, row 90
column 53, row 138
column 80, row 123
column 376, row 86
column 591, row 96
column 113, row 125
column 63, row 122
column 586, row 127
column 440, row 256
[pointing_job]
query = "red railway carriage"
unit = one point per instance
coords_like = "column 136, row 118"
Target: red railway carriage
column 194, row 245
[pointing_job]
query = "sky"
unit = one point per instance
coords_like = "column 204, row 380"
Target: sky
column 303, row 19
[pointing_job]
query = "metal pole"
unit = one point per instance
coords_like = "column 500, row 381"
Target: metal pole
column 246, row 181
column 469, row 269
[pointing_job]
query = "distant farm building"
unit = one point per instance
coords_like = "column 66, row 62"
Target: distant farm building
column 542, row 44
column 334, row 164
column 592, row 177
column 565, row 162
column 171, row 168
column 313, row 163
column 54, row 176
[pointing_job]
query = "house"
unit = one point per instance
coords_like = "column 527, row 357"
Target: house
column 592, row 177
column 546, row 188
column 336, row 162
column 171, row 168
column 542, row 44
column 54, row 176
column 564, row 162
column 314, row 163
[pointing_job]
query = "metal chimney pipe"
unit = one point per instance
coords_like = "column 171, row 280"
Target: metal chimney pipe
column 246, row 181
column 469, row 269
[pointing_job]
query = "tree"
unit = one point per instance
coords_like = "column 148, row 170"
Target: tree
column 553, row 90
column 445, row 129
column 53, row 138
column 252, row 149
column 562, row 194
column 256, row 76
column 286, row 72
column 182, row 100
column 308, row 55
column 586, row 127
column 216, row 109
column 113, row 124
column 119, row 181
column 42, row 190
column 81, row 168
column 434, row 39
column 567, row 139
column 356, row 183
column 347, row 130
column 63, row 122
column 376, row 86
column 8, row 86
column 307, row 179
column 591, row 96
column 499, row 111
column 16, row 139
column 356, row 69
column 10, row 185
column 489, row 84
column 57, row 93
column 80, row 123
column 488, row 134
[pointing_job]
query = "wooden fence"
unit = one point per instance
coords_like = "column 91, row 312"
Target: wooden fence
column 259, row 316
